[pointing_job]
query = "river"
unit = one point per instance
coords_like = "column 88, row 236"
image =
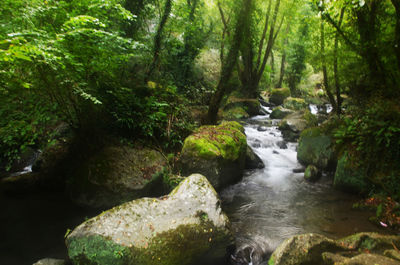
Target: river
column 272, row 204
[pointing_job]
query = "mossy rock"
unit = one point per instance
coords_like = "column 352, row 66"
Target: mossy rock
column 371, row 242
column 293, row 124
column 251, row 106
column 117, row 174
column 253, row 161
column 235, row 114
column 348, row 177
column 294, row 103
column 280, row 113
column 316, row 148
column 312, row 173
column 185, row 226
column 278, row 95
column 303, row 249
column 217, row 152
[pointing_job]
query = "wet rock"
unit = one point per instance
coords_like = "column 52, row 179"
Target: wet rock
column 392, row 253
column 371, row 242
column 280, row 112
column 217, row 152
column 299, row 170
column 262, row 128
column 256, row 144
column 278, row 95
column 275, row 152
column 50, row 262
column 251, row 106
column 253, row 161
column 332, row 258
column 369, row 259
column 312, row 173
column 316, row 148
column 20, row 183
column 177, row 229
column 348, row 177
column 117, row 174
column 282, row 145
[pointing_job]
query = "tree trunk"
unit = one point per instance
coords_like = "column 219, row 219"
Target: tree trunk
column 158, row 38
column 336, row 68
column 283, row 60
column 272, row 67
column 324, row 69
column 229, row 64
column 396, row 4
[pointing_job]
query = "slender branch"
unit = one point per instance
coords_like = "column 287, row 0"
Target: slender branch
column 260, row 47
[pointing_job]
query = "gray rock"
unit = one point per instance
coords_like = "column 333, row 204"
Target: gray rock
column 369, row 259
column 262, row 128
column 292, row 125
column 50, row 262
column 115, row 175
column 253, row 161
column 280, row 112
column 177, row 229
column 282, row 145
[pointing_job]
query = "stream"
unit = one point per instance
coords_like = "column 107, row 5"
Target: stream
column 272, row 204
column 266, row 207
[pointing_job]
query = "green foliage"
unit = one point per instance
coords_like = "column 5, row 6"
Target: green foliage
column 372, row 136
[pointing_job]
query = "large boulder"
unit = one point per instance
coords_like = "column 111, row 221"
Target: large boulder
column 295, row 103
column 360, row 249
column 217, row 152
column 316, row 148
column 280, row 113
column 278, row 95
column 117, row 174
column 348, row 177
column 185, row 226
column 251, row 106
column 293, row 124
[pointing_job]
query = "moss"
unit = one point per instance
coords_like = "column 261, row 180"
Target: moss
column 348, row 177
column 235, row 113
column 226, row 141
column 271, row 261
column 310, row 118
column 97, row 250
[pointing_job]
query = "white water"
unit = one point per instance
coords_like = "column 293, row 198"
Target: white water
column 272, row 204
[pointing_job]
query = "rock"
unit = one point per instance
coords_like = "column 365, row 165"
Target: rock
column 293, row 124
column 20, row 183
column 217, row 152
column 50, row 262
column 312, row 173
column 275, row 152
column 369, row 259
column 299, row 170
column 371, row 242
column 177, row 229
column 278, row 95
column 253, row 161
column 282, row 145
column 348, row 177
column 294, row 103
column 251, row 106
column 392, row 253
column 316, row 148
column 280, row 113
column 351, row 250
column 303, row 249
column 262, row 128
column 117, row 174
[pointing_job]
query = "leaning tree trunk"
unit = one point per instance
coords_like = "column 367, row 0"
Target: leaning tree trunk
column 336, row 68
column 229, row 64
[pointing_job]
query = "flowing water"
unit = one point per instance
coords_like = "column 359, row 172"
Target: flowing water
column 272, row 204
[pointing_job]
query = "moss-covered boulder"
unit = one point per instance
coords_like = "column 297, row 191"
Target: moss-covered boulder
column 316, row 148
column 117, row 174
column 348, row 177
column 234, row 114
column 293, row 124
column 217, row 152
column 280, row 113
column 312, row 173
column 313, row 249
column 295, row 103
column 278, row 95
column 185, row 226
